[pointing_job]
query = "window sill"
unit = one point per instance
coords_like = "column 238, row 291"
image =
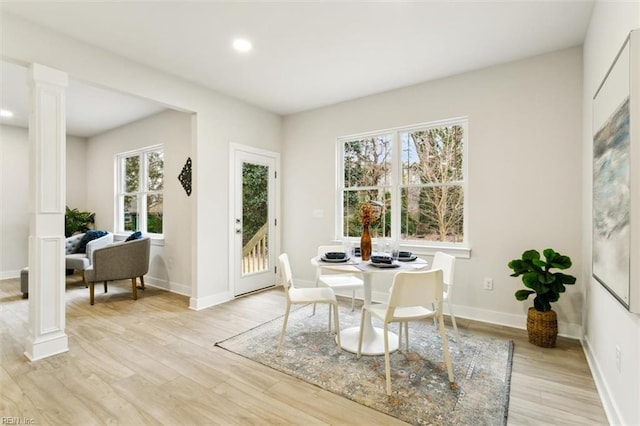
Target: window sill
column 430, row 250
column 461, row 252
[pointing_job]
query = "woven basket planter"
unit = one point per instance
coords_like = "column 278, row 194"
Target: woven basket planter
column 542, row 328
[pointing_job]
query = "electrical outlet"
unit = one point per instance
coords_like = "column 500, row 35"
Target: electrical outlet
column 488, row 283
column 618, row 359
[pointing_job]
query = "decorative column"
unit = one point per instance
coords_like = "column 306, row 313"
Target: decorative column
column 47, row 140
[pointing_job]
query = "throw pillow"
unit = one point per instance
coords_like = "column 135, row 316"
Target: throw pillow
column 88, row 236
column 135, row 236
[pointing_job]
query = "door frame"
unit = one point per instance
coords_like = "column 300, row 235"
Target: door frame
column 235, row 148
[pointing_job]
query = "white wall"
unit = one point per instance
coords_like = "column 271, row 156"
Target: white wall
column 219, row 120
column 607, row 323
column 170, row 265
column 76, row 173
column 14, row 198
column 524, row 173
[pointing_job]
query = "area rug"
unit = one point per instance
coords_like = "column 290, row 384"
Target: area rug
column 420, row 385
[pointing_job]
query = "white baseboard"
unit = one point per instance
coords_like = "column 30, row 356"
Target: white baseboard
column 610, row 406
column 198, row 304
column 573, row 331
column 168, row 285
column 5, row 275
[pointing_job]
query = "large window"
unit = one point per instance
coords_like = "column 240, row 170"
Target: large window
column 141, row 190
column 415, row 178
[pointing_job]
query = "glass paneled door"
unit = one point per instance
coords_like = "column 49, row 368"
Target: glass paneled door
column 255, row 221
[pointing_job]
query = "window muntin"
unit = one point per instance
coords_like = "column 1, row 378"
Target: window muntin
column 141, row 191
column 416, row 177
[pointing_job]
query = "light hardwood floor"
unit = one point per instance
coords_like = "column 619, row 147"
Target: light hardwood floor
column 152, row 361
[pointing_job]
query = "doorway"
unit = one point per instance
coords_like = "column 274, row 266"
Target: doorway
column 254, row 243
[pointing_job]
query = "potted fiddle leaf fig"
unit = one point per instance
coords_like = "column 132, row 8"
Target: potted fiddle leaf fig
column 76, row 221
column 547, row 285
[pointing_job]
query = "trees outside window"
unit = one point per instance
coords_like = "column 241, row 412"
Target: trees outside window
column 141, row 190
column 414, row 175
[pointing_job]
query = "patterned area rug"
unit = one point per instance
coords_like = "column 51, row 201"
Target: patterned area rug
column 420, row 386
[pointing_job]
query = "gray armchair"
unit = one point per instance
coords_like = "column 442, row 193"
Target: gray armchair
column 119, row 261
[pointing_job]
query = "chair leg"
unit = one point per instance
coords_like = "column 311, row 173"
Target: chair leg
column 403, row 325
column 134, row 289
column 406, row 336
column 314, row 305
column 284, row 327
column 330, row 319
column 337, row 325
column 105, row 286
column 142, row 282
column 455, row 326
column 387, row 360
column 445, row 351
column 91, row 292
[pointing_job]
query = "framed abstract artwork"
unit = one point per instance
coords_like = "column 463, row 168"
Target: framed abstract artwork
column 616, row 177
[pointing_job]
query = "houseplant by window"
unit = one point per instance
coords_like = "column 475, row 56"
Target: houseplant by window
column 76, row 221
column 542, row 322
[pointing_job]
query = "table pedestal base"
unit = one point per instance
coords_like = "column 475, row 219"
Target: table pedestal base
column 372, row 341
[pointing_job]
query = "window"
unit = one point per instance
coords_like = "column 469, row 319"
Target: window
column 140, row 190
column 414, row 176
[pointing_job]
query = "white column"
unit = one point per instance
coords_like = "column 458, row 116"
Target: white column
column 47, row 140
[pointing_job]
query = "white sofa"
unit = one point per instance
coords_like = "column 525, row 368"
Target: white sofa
column 81, row 261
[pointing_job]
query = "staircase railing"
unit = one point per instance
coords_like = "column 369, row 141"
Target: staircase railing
column 255, row 254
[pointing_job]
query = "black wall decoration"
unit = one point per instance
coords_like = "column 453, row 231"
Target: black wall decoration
column 185, row 176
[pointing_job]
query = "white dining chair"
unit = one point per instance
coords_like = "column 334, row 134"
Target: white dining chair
column 413, row 296
column 304, row 296
column 338, row 281
column 447, row 264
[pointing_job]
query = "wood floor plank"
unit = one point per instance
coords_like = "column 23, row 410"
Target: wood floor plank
column 153, row 361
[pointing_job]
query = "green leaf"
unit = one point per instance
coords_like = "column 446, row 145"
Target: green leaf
column 523, row 294
column 530, row 279
column 561, row 262
column 531, row 255
column 549, row 254
column 566, row 279
column 539, row 263
column 546, row 278
column 518, row 267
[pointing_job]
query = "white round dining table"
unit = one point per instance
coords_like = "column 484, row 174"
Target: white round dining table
column 372, row 337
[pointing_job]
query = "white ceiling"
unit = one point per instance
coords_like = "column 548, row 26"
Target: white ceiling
column 90, row 110
column 309, row 54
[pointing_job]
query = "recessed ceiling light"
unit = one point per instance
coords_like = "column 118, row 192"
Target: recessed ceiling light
column 5, row 113
column 242, row 45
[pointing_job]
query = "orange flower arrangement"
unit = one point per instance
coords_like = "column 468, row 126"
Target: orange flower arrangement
column 367, row 214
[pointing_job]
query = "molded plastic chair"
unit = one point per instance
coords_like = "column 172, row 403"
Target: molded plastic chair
column 338, row 281
column 305, row 296
column 413, row 296
column 447, row 264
